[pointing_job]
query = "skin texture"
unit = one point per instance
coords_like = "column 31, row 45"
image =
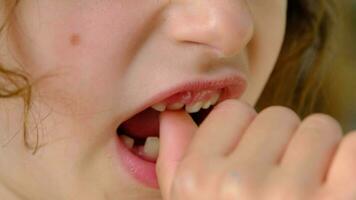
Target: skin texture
column 100, row 60
column 256, row 167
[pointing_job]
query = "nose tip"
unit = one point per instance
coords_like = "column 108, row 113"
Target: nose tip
column 224, row 25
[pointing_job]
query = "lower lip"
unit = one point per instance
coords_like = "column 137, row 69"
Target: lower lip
column 142, row 170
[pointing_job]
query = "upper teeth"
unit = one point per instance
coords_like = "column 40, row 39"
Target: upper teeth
column 190, row 108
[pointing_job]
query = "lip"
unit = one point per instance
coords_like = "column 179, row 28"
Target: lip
column 142, row 170
column 233, row 86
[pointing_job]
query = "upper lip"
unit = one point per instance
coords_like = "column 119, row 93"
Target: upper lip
column 233, row 86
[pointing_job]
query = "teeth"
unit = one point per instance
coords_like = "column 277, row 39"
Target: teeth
column 214, row 99
column 194, row 107
column 160, row 107
column 207, row 104
column 129, row 142
column 176, row 106
column 151, row 148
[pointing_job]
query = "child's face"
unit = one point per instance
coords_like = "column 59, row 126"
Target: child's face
column 103, row 60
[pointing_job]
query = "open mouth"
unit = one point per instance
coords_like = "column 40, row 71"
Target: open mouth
column 140, row 133
column 138, row 137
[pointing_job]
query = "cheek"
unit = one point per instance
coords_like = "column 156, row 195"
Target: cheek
column 96, row 40
column 264, row 48
column 86, row 46
column 102, row 39
column 270, row 22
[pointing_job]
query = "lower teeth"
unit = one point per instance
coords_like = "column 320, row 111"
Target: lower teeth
column 128, row 141
column 149, row 150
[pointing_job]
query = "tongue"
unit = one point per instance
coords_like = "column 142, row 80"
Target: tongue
column 142, row 125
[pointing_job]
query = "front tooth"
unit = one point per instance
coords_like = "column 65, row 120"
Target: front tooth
column 151, row 148
column 160, row 107
column 214, row 99
column 128, row 141
column 207, row 104
column 176, row 106
column 194, row 107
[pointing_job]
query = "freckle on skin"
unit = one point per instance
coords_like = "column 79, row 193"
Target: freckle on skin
column 75, row 40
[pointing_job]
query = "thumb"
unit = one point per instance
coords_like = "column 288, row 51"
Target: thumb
column 176, row 130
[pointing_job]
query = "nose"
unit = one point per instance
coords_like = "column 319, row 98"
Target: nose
column 224, row 25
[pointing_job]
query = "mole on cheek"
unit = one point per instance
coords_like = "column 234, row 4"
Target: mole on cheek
column 75, row 40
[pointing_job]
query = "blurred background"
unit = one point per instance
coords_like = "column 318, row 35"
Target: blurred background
column 341, row 82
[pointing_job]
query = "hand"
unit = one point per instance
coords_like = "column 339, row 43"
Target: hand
column 239, row 154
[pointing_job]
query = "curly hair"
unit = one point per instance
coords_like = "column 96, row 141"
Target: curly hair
column 296, row 81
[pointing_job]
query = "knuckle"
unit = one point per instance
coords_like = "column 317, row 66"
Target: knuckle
column 232, row 187
column 229, row 187
column 285, row 189
column 235, row 106
column 324, row 125
column 198, row 180
column 348, row 143
column 193, row 177
column 290, row 194
column 322, row 120
column 351, row 134
column 337, row 193
column 185, row 185
column 281, row 112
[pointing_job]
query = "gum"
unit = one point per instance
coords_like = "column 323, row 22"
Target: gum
column 191, row 97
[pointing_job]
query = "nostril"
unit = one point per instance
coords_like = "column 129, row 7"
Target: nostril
column 226, row 27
